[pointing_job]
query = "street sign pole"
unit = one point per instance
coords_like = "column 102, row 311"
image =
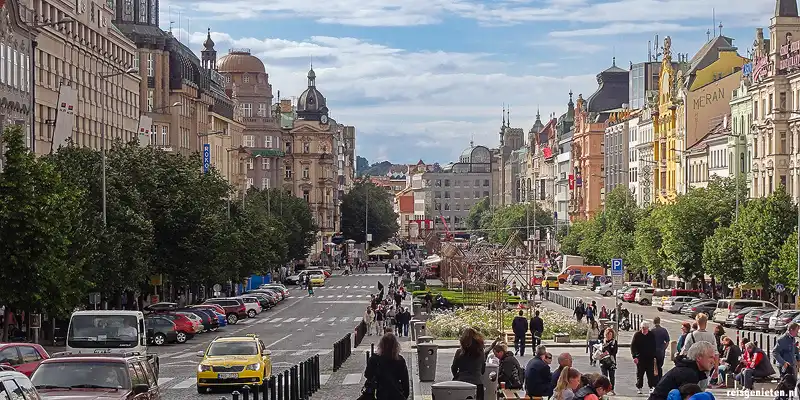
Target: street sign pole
column 617, row 276
column 780, row 289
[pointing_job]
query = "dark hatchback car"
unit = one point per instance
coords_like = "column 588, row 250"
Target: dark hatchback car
column 234, row 308
column 699, row 306
column 97, row 377
column 273, row 294
column 160, row 331
column 265, row 301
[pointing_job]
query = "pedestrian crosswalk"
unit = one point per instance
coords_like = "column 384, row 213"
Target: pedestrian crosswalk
column 341, row 296
column 340, row 287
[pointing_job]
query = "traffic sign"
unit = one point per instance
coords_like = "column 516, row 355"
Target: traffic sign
column 780, row 288
column 617, row 281
column 617, row 268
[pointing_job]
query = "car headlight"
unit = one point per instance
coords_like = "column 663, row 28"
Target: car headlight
column 253, row 367
column 203, row 368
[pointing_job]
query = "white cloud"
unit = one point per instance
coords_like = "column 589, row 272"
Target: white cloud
column 408, row 104
column 573, row 46
column 623, row 28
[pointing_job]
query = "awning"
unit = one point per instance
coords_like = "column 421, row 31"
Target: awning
column 391, row 247
column 379, row 252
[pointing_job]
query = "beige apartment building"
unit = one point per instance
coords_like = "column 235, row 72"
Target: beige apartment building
column 247, row 81
column 78, row 53
column 15, row 84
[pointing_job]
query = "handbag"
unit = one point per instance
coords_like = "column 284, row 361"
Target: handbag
column 370, row 389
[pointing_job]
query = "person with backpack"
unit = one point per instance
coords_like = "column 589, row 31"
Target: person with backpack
column 510, row 372
column 590, row 314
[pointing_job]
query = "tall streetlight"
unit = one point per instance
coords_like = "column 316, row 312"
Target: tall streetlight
column 104, row 78
column 175, row 104
column 32, row 74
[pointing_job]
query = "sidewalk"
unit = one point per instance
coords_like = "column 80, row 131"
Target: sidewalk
column 624, row 339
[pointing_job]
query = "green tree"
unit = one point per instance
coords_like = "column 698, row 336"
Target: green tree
column 591, row 248
column 365, row 197
column 784, row 268
column 519, row 219
column 764, row 225
column 477, row 213
column 647, row 254
column 722, row 256
column 620, row 213
column 38, row 217
column 571, row 238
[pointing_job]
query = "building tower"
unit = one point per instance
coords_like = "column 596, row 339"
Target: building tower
column 311, row 105
column 209, row 55
column 535, row 129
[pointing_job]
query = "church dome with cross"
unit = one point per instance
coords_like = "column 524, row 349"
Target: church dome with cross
column 312, row 105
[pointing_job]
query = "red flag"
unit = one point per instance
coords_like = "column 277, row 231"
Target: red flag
column 572, row 182
column 547, row 152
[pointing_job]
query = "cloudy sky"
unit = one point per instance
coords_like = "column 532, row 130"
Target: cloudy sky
column 421, row 78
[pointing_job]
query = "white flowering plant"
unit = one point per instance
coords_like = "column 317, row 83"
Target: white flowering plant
column 450, row 324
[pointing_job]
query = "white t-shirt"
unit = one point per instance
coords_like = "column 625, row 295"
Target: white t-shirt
column 699, row 336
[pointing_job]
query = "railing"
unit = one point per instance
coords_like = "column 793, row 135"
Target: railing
column 341, row 351
column 296, row 383
column 360, row 332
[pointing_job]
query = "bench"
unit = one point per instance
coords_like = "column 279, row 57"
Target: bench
column 561, row 337
column 514, row 394
column 762, row 382
column 508, row 338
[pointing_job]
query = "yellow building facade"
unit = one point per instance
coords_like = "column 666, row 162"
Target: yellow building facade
column 667, row 112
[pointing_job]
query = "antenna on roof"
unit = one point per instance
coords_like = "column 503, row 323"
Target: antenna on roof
column 714, row 20
column 179, row 26
column 649, row 51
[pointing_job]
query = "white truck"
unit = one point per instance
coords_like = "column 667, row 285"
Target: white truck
column 568, row 261
column 109, row 331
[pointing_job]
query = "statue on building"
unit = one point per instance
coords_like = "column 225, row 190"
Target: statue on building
column 667, row 49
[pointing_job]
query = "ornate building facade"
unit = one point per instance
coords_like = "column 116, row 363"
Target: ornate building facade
column 78, row 53
column 248, row 83
column 15, row 84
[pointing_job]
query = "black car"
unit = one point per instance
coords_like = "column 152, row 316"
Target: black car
column 160, row 331
column 699, row 306
column 265, row 300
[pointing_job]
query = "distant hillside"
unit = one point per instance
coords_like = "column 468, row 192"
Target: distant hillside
column 377, row 169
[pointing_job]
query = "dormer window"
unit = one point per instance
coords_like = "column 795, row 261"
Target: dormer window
column 246, row 78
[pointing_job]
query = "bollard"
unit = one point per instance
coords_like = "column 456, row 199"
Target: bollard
column 307, row 378
column 286, row 384
column 279, row 388
column 372, row 349
column 295, row 383
column 301, row 376
column 246, row 392
column 427, row 354
column 317, row 383
column 256, row 390
column 235, row 395
column 272, row 389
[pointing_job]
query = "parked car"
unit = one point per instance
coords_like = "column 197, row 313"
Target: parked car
column 550, row 282
column 578, row 279
column 630, row 294
column 698, row 306
column 282, row 289
column 597, row 281
column 736, row 319
column 216, row 310
column 23, row 357
column 184, row 327
column 160, row 331
column 265, row 300
column 252, row 304
column 234, row 308
column 674, row 304
column 207, row 317
column 109, row 376
column 784, row 318
column 15, row 385
column 644, row 296
column 750, row 319
column 161, row 307
column 727, row 306
column 762, row 323
column 663, row 294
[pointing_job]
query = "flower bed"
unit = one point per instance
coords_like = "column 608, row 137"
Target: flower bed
column 469, row 298
column 450, row 324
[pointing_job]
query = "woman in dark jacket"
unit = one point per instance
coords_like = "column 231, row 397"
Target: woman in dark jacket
column 386, row 371
column 608, row 360
column 510, row 372
column 469, row 363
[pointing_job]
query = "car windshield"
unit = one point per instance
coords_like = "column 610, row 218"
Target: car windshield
column 243, row 348
column 102, row 331
column 72, row 374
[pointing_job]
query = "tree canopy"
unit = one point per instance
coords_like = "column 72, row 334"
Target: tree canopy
column 368, row 206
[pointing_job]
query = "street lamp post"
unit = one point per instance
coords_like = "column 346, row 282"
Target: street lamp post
column 104, row 78
column 32, row 74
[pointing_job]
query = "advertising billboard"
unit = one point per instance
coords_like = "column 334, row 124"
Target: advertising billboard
column 706, row 103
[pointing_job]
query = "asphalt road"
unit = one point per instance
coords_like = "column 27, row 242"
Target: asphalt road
column 295, row 330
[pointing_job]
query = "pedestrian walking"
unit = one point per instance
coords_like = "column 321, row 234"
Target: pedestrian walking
column 406, row 321
column 386, row 373
column 379, row 316
column 537, row 327
column 699, row 335
column 643, row 351
column 469, row 363
column 785, row 353
column 369, row 319
column 608, row 356
column 537, row 374
column 310, row 289
column 580, row 311
column 685, row 329
column 520, row 327
column 689, row 368
column 590, row 313
column 592, row 338
column 661, row 336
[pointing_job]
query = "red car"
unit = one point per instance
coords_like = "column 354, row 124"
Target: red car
column 630, row 295
column 24, row 357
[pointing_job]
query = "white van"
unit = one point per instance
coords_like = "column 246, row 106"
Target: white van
column 607, row 289
column 727, row 306
column 644, row 296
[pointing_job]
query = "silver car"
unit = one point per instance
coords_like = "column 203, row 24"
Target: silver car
column 674, row 304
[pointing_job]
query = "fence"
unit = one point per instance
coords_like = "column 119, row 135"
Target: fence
column 296, row 383
column 765, row 341
column 571, row 303
column 360, row 332
column 341, row 351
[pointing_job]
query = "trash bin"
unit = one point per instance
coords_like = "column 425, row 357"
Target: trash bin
column 416, row 308
column 454, row 390
column 426, row 357
column 413, row 330
column 419, row 329
column 424, row 339
column 490, row 381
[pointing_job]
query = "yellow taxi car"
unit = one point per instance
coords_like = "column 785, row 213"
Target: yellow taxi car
column 233, row 361
column 316, row 278
column 550, row 282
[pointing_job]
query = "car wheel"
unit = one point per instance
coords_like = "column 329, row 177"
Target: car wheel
column 607, row 294
column 232, row 319
column 562, row 281
column 159, row 339
column 181, row 337
column 251, row 314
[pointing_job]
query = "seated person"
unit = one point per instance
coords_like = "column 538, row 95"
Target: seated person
column 756, row 365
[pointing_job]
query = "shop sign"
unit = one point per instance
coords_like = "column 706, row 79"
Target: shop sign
column 790, row 56
column 761, row 68
column 747, row 69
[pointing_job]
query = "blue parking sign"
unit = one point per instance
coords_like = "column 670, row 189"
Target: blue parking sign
column 617, row 267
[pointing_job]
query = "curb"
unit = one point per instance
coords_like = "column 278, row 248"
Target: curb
column 555, row 345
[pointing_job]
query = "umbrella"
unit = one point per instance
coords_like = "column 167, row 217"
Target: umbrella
column 379, row 252
column 391, row 247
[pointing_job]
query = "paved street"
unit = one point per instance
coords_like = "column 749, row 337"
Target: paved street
column 295, row 330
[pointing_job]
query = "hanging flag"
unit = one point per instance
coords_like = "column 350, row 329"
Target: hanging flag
column 65, row 116
column 547, row 152
column 145, row 126
column 572, row 182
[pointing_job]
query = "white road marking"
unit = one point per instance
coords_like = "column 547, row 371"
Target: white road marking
column 278, row 341
column 185, row 384
column 340, row 296
column 277, row 319
column 316, row 319
column 345, row 319
column 163, row 381
column 289, row 319
column 323, row 379
column 352, row 379
column 302, row 320
column 187, row 355
column 332, row 319
column 262, row 321
column 349, row 296
column 347, row 287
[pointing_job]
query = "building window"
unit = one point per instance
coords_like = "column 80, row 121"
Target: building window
column 246, row 78
column 136, row 60
column 262, row 110
column 164, row 135
column 127, row 11
column 249, row 141
column 247, row 109
column 151, row 65
column 265, row 163
column 268, row 142
column 153, row 139
column 783, row 142
column 3, row 68
column 249, row 183
column 264, row 183
column 151, row 98
column 288, row 172
column 15, row 70
column 143, row 11
column 249, row 164
column 306, row 173
column 153, row 12
column 306, row 196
